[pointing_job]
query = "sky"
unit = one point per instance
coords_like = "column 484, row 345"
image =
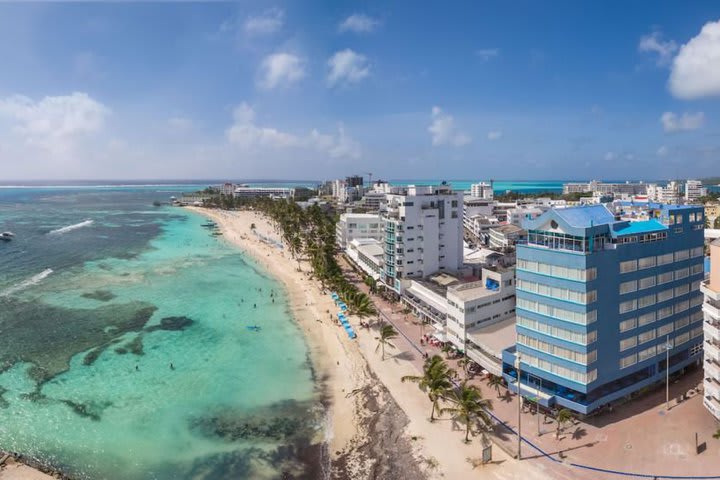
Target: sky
column 521, row 90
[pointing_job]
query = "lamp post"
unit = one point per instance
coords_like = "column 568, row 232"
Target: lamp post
column 667, row 372
column 519, row 395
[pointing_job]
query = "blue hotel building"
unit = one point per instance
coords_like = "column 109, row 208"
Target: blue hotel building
column 600, row 296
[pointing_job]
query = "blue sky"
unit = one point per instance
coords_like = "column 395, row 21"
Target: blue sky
column 506, row 90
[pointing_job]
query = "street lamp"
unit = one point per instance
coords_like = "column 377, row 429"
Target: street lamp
column 519, row 395
column 668, row 347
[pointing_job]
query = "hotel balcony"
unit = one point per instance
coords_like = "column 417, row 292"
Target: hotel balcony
column 712, row 369
column 712, row 404
column 711, row 330
column 712, row 349
column 711, row 309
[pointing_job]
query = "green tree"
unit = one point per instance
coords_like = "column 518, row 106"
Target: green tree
column 563, row 416
column 435, row 381
column 387, row 333
column 495, row 381
column 469, row 408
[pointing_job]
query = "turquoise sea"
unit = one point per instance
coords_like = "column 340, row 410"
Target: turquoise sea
column 124, row 347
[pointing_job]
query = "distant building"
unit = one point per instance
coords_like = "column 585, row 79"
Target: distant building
column 505, row 237
column 354, row 181
column 606, row 188
column 358, row 225
column 368, row 254
column 711, row 307
column 712, row 212
column 482, row 190
column 423, row 233
column 245, row 191
column 598, row 299
column 228, row 188
column 668, row 194
column 694, row 190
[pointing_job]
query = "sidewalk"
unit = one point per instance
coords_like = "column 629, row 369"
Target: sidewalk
column 639, row 437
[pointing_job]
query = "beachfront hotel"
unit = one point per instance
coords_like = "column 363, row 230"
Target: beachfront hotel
column 600, row 294
column 358, row 225
column 423, row 233
column 711, row 327
column 246, row 191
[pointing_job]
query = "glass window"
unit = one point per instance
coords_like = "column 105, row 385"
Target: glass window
column 628, row 266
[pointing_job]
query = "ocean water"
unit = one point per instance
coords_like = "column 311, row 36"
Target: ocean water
column 124, row 347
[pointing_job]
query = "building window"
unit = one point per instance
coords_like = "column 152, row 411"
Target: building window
column 664, row 312
column 581, row 318
column 683, row 322
column 682, row 255
column 665, row 330
column 628, row 324
column 628, row 306
column 628, row 361
column 647, row 262
column 682, row 273
column 628, row 266
column 665, row 295
column 646, row 319
column 627, row 343
column 646, row 301
column 647, row 353
column 646, row 282
column 664, row 259
column 664, row 278
column 646, row 336
column 628, row 287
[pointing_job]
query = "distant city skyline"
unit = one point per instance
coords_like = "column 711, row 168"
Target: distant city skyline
column 321, row 90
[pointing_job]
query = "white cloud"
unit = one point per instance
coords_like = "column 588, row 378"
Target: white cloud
column 672, row 122
column 346, row 67
column 246, row 134
column 270, row 21
column 494, row 135
column 280, row 70
column 444, row 131
column 486, row 54
column 54, row 123
column 663, row 151
column 609, row 156
column 180, row 124
column 359, row 23
column 653, row 43
column 696, row 68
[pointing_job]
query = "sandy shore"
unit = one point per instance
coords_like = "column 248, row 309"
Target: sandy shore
column 14, row 470
column 378, row 425
column 365, row 433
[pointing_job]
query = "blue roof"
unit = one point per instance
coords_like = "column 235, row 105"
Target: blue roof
column 584, row 217
column 645, row 226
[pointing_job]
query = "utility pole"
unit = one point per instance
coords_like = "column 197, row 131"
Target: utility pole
column 519, row 395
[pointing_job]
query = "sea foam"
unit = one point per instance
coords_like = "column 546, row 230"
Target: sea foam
column 34, row 280
column 70, row 228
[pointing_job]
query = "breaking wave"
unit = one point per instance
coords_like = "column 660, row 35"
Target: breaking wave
column 70, row 228
column 34, row 280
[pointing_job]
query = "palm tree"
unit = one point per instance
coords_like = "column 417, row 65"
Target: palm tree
column 387, row 333
column 716, row 435
column 446, row 349
column 469, row 408
column 435, row 381
column 361, row 305
column 495, row 381
column 563, row 416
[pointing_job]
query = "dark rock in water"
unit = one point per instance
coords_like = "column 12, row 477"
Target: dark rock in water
column 92, row 355
column 135, row 346
column 121, row 351
column 48, row 336
column 171, row 323
column 100, row 295
column 87, row 410
column 35, row 396
column 3, row 403
column 281, row 421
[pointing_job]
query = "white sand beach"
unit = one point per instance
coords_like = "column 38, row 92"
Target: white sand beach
column 349, row 366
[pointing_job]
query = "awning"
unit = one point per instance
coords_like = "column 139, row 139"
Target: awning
column 440, row 336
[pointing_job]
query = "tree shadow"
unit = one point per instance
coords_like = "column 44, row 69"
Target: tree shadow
column 579, row 433
column 404, row 355
column 560, row 451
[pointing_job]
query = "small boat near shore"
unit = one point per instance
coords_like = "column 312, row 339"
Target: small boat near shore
column 209, row 225
column 254, row 328
column 6, row 236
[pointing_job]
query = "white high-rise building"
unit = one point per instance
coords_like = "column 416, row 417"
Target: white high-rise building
column 358, row 225
column 711, row 330
column 669, row 194
column 694, row 190
column 423, row 233
column 482, row 190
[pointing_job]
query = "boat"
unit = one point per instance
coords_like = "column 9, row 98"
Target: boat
column 254, row 328
column 209, row 225
column 215, row 234
column 6, row 236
